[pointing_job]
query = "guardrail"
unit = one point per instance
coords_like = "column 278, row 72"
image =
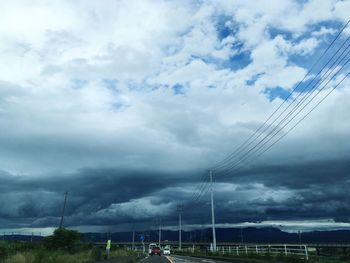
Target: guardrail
column 21, row 236
column 298, row 250
column 301, row 251
column 190, row 244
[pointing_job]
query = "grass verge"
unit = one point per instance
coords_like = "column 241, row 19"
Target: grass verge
column 89, row 256
column 263, row 258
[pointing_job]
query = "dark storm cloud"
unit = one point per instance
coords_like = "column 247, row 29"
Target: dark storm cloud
column 40, row 199
column 295, row 176
column 317, row 189
column 306, row 191
column 309, row 190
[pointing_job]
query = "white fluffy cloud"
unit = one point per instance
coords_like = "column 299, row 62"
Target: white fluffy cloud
column 94, row 85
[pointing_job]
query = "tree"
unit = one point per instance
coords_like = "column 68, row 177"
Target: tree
column 63, row 239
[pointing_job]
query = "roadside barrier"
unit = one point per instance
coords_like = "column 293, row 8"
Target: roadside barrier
column 285, row 249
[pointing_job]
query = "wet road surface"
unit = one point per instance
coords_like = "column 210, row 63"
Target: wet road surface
column 182, row 259
column 155, row 259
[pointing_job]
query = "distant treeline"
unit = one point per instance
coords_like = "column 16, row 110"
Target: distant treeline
column 245, row 235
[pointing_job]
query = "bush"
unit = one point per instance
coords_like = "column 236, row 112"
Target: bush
column 40, row 256
column 63, row 239
column 97, row 253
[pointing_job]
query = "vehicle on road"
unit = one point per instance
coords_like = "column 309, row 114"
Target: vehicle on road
column 156, row 251
column 150, row 247
column 166, row 250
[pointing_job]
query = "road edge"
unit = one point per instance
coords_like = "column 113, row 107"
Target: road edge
column 169, row 259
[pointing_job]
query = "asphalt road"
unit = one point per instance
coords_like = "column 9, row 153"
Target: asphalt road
column 155, row 259
column 181, row 259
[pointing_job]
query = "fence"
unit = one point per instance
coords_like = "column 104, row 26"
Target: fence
column 297, row 250
column 21, row 236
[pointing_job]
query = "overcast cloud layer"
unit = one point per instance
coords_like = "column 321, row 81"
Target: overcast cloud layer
column 124, row 104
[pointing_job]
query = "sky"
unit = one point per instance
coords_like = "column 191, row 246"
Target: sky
column 125, row 104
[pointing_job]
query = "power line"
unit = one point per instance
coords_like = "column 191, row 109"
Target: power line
column 308, row 94
column 305, row 95
column 230, row 156
column 201, row 194
column 200, row 187
column 294, row 126
column 302, row 92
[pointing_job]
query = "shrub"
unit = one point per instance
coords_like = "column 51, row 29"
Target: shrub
column 97, row 253
column 63, row 239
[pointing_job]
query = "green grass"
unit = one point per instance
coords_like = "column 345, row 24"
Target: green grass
column 264, row 258
column 64, row 246
column 48, row 257
column 88, row 256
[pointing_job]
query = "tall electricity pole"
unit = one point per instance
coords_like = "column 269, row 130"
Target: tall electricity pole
column 212, row 210
column 64, row 209
column 133, row 240
column 160, row 233
column 179, row 209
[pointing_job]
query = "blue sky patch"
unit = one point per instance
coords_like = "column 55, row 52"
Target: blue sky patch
column 307, row 60
column 274, row 32
column 118, row 105
column 223, row 30
column 79, row 83
column 303, row 60
column 252, row 81
column 179, row 89
column 135, row 86
column 277, row 92
column 241, row 58
column 327, row 24
column 142, row 87
column 238, row 61
column 110, row 83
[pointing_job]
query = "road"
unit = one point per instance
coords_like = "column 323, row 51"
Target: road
column 181, row 259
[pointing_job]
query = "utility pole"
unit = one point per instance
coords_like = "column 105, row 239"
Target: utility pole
column 160, row 233
column 133, row 237
column 64, row 208
column 179, row 209
column 133, row 240
column 212, row 210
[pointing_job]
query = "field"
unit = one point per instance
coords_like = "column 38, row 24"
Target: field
column 333, row 256
column 24, row 252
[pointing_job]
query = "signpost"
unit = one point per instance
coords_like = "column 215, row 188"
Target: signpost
column 142, row 239
column 108, row 247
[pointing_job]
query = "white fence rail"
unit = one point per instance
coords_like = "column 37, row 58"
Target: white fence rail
column 298, row 250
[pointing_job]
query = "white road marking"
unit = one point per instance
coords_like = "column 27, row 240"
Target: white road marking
column 176, row 259
column 144, row 259
column 187, row 259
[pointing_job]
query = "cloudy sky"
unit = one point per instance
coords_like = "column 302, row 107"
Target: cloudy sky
column 125, row 104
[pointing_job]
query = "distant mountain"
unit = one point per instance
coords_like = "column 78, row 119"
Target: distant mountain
column 236, row 235
column 19, row 237
column 247, row 235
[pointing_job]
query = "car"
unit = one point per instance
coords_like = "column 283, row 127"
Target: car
column 166, row 250
column 156, row 251
column 150, row 247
